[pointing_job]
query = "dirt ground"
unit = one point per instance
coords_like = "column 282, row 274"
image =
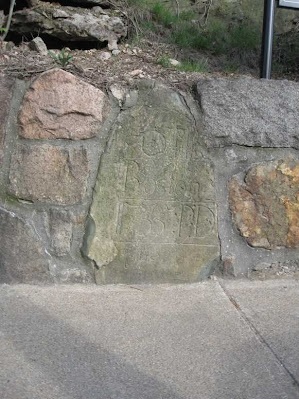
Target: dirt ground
column 94, row 66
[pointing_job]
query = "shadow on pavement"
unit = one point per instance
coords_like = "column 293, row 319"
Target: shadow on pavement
column 65, row 361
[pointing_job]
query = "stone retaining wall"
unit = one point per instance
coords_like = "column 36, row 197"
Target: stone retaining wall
column 146, row 185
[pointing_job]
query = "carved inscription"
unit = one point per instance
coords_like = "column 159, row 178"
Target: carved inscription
column 167, row 222
column 155, row 196
column 153, row 143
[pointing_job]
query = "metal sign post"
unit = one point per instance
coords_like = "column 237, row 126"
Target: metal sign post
column 267, row 44
column 268, row 32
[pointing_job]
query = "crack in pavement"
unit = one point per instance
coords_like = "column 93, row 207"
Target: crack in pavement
column 256, row 332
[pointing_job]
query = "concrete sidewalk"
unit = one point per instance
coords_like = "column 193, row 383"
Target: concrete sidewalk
column 213, row 340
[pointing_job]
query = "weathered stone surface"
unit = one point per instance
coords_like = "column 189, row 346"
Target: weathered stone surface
column 250, row 112
column 51, row 174
column 283, row 269
column 265, row 207
column 37, row 44
column 76, row 23
column 6, row 85
column 65, row 229
column 60, row 231
column 153, row 211
column 60, row 106
column 22, row 257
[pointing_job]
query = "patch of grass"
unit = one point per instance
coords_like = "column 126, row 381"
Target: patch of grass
column 138, row 3
column 216, row 37
column 231, row 67
column 63, row 58
column 245, row 37
column 185, row 35
column 286, row 53
column 194, row 66
column 235, row 41
column 148, row 26
column 186, row 65
column 164, row 61
column 163, row 15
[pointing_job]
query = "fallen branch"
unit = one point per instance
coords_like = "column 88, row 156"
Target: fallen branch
column 8, row 22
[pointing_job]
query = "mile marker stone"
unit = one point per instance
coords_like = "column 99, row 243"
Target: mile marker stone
column 153, row 216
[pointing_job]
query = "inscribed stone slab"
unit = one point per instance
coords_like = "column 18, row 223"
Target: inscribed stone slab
column 154, row 210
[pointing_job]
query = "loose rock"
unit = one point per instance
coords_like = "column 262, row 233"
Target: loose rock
column 37, row 44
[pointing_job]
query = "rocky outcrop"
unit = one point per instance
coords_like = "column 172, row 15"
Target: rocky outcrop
column 69, row 23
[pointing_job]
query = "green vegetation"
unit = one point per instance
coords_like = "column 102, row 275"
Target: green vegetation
column 63, row 58
column 215, row 36
column 194, row 66
column 164, row 61
column 229, row 36
column 234, row 41
column 286, row 53
column 185, row 66
column 163, row 15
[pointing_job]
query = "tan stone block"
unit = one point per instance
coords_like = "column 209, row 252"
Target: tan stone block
column 50, row 174
column 58, row 105
column 265, row 207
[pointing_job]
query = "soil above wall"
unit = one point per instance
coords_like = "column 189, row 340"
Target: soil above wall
column 144, row 57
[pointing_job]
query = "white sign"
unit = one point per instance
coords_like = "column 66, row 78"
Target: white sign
column 289, row 3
